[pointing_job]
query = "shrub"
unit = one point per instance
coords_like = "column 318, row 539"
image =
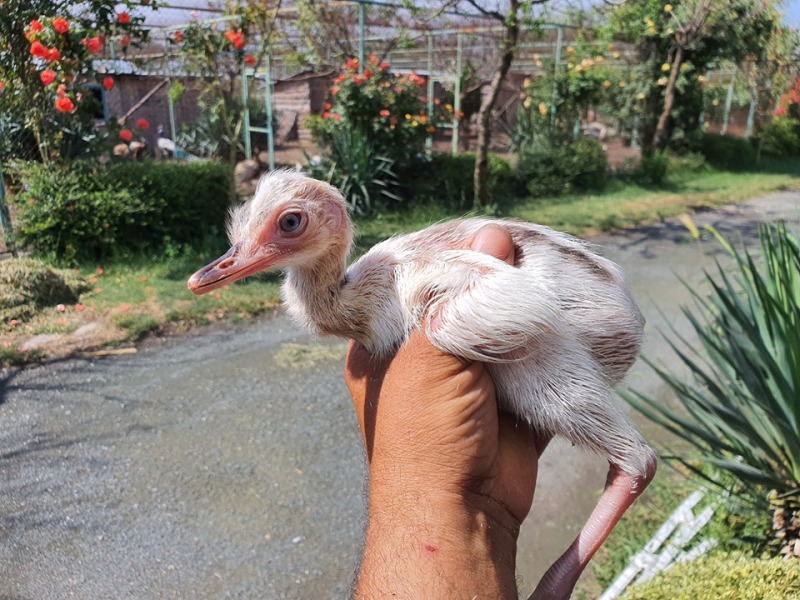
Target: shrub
column 739, row 409
column 653, row 168
column 364, row 177
column 723, row 576
column 87, row 213
column 27, row 286
column 781, row 137
column 728, row 152
column 447, row 181
column 556, row 170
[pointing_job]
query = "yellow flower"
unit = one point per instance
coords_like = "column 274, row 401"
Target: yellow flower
column 715, row 102
column 587, row 62
column 622, row 84
column 408, row 117
column 701, row 78
column 668, row 8
column 662, row 81
column 542, row 109
column 616, row 55
column 665, row 67
column 570, row 50
column 579, row 69
column 538, row 63
column 527, row 103
column 599, row 58
column 526, row 82
column 640, row 96
column 606, row 84
column 536, row 57
column 670, row 31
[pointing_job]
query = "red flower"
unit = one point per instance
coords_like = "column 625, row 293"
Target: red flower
column 373, row 59
column 108, row 83
column 236, row 38
column 384, row 66
column 351, row 64
column 125, row 41
column 93, row 44
column 339, row 79
column 47, row 76
column 2, row 86
column 250, row 60
column 328, row 106
column 38, row 49
column 64, row 104
column 53, row 55
column 61, row 25
column 123, row 18
column 385, row 113
column 142, row 123
column 177, row 37
column 125, row 135
column 337, row 117
column 36, row 26
column 367, row 74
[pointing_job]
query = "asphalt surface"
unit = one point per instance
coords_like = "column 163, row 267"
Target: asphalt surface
column 227, row 464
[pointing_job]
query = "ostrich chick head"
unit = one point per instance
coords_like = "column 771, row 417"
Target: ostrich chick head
column 292, row 221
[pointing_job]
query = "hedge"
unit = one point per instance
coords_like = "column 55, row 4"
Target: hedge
column 86, row 212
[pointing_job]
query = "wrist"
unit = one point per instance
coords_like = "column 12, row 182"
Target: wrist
column 428, row 542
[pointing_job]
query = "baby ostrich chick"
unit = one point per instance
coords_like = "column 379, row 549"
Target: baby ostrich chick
column 557, row 329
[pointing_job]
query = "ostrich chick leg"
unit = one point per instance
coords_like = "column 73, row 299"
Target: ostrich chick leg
column 620, row 492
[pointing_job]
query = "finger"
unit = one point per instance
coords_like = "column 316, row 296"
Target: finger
column 494, row 241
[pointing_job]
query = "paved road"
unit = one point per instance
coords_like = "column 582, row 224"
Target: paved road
column 227, row 464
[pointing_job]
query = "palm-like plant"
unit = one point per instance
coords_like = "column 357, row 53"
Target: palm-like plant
column 741, row 407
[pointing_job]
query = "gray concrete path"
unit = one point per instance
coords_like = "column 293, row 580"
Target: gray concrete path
column 227, row 464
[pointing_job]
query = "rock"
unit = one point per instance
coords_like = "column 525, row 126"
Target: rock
column 245, row 171
column 86, row 329
column 39, row 341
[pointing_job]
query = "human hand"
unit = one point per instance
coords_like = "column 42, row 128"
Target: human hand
column 443, row 460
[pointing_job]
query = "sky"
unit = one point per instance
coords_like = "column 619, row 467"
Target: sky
column 792, row 8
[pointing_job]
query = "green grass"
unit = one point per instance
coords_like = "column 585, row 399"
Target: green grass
column 626, row 205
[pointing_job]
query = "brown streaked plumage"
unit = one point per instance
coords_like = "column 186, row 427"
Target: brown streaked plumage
column 557, row 329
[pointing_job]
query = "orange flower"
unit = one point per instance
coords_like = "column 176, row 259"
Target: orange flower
column 177, row 37
column 38, row 49
column 47, row 76
column 142, row 123
column 53, row 55
column 64, row 104
column 123, row 18
column 61, row 25
column 93, row 44
column 2, row 86
column 99, row 270
column 236, row 38
column 108, row 83
column 61, row 90
column 80, row 307
column 250, row 60
column 125, row 135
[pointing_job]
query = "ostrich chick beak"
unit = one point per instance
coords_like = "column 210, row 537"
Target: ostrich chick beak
column 235, row 264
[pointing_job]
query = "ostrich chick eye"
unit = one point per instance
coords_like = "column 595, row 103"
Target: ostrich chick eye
column 290, row 222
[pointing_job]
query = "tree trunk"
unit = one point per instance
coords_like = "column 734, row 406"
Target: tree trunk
column 481, row 174
column 669, row 100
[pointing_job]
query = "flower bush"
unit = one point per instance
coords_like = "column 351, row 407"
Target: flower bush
column 48, row 63
column 389, row 109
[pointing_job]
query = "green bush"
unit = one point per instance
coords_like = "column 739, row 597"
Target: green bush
column 86, row 212
column 723, row 576
column 738, row 410
column 781, row 137
column 447, row 181
column 556, row 170
column 653, row 168
column 728, row 152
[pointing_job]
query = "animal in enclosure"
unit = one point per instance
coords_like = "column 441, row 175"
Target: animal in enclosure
column 557, row 328
column 166, row 147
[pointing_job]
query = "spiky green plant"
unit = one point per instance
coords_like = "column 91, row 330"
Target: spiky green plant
column 740, row 409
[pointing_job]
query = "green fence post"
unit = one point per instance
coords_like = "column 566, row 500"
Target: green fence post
column 5, row 216
column 362, row 18
column 457, row 98
column 429, row 139
column 557, row 61
column 728, row 104
column 248, row 148
column 268, row 100
column 751, row 114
